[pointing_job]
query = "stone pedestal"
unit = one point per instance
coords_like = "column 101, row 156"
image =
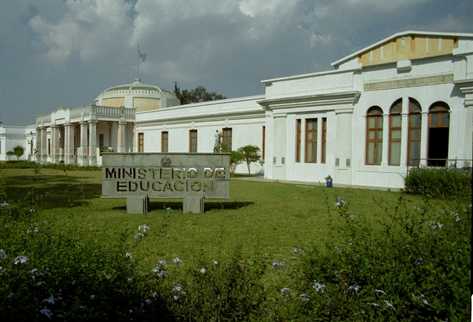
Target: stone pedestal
column 193, row 203
column 137, row 205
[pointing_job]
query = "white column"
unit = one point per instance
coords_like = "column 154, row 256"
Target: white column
column 121, row 136
column 467, row 152
column 92, row 142
column 37, row 156
column 344, row 121
column 114, row 136
column 53, row 143
column 44, row 144
column 68, row 143
column 404, row 131
column 424, row 139
column 83, row 160
column 268, row 162
column 385, row 157
column 134, row 142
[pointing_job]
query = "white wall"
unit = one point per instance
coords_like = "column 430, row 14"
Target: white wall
column 244, row 116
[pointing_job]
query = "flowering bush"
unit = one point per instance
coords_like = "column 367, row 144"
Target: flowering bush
column 416, row 268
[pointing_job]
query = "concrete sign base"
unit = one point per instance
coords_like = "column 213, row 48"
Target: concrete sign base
column 137, row 204
column 193, row 204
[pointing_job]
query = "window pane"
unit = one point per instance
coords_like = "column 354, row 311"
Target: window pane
column 379, row 153
column 445, row 118
column 395, row 156
column 371, row 135
column 415, row 135
column 415, row 120
column 395, row 135
column 370, row 153
column 371, row 122
column 434, row 120
column 311, row 140
column 379, row 135
column 396, row 121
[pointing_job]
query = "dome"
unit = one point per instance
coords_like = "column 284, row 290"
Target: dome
column 142, row 97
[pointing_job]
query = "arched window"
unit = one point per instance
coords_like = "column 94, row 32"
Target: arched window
column 439, row 119
column 414, row 133
column 395, row 121
column 374, row 135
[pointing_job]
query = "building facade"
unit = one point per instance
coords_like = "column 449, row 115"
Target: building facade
column 405, row 101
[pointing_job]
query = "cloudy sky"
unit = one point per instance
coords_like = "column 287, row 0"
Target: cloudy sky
column 65, row 52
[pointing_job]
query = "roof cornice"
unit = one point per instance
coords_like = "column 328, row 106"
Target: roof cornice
column 337, row 98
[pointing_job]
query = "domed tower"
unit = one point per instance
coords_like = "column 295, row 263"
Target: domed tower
column 142, row 97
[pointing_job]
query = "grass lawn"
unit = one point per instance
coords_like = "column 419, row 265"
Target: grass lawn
column 284, row 252
column 263, row 219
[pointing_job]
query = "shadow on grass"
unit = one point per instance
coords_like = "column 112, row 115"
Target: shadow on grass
column 47, row 192
column 177, row 205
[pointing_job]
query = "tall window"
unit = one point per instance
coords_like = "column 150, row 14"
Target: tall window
column 264, row 142
column 439, row 119
column 298, row 139
column 414, row 133
column 141, row 141
column 395, row 121
column 164, row 141
column 311, row 140
column 193, row 141
column 324, row 140
column 49, row 146
column 227, row 138
column 374, row 135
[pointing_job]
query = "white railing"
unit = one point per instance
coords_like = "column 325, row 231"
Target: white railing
column 114, row 112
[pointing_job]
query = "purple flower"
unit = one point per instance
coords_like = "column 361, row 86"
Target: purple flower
column 20, row 260
column 277, row 264
column 177, row 261
column 285, row 291
column 46, row 312
column 3, row 254
column 304, row 297
column 318, row 287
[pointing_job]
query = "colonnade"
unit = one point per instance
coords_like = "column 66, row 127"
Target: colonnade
column 56, row 143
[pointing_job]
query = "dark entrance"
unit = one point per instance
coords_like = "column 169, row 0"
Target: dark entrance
column 439, row 119
column 438, row 147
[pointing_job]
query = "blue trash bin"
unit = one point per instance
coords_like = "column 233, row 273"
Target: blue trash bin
column 328, row 182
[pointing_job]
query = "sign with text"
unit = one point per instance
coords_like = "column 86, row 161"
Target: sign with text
column 168, row 175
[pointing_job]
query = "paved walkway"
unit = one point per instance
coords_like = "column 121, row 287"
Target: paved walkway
column 305, row 183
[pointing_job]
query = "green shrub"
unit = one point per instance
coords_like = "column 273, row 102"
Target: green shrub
column 414, row 269
column 54, row 277
column 221, row 290
column 34, row 165
column 439, row 182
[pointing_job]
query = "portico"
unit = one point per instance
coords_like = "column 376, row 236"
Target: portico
column 79, row 135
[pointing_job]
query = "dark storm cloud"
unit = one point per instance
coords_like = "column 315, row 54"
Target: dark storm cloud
column 63, row 53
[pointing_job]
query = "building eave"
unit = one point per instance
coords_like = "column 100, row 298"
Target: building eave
column 336, row 98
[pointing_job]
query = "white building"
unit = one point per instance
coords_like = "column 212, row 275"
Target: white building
column 404, row 101
column 10, row 137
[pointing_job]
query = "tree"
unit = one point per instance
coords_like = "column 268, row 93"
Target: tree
column 249, row 153
column 17, row 151
column 196, row 95
column 235, row 159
